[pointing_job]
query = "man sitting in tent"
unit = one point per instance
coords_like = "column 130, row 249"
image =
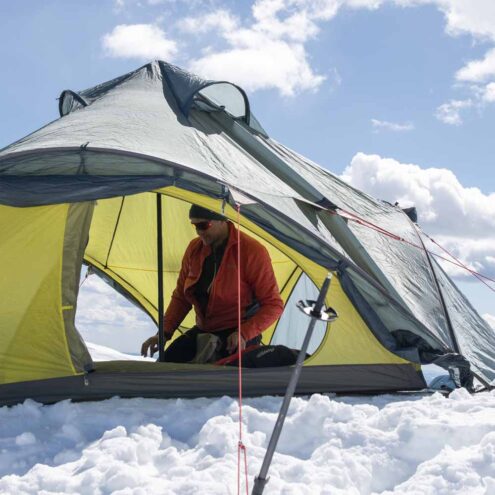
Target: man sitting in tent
column 208, row 282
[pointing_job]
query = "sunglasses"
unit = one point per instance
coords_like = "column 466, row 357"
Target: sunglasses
column 202, row 225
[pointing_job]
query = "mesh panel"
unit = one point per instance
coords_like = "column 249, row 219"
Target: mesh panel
column 293, row 324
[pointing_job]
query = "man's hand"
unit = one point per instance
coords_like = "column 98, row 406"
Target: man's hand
column 152, row 345
column 232, row 343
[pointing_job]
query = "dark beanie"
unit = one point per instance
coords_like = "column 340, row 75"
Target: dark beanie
column 200, row 212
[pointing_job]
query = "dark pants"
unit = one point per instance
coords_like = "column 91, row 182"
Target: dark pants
column 183, row 349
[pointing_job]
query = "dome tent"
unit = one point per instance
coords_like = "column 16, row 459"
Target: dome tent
column 84, row 188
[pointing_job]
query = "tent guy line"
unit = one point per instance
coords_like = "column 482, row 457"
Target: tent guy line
column 241, row 448
column 365, row 223
column 478, row 275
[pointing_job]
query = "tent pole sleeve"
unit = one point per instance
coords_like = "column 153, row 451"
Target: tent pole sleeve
column 261, row 480
column 339, row 228
column 159, row 251
column 269, row 159
column 440, row 295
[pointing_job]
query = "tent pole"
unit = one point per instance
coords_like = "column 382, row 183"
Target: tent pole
column 440, row 294
column 261, row 480
column 446, row 312
column 159, row 251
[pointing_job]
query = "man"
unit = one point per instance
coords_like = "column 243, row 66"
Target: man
column 208, row 282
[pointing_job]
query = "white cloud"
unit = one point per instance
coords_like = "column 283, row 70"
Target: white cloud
column 143, row 41
column 478, row 70
column 255, row 68
column 450, row 113
column 105, row 317
column 490, row 319
column 269, row 52
column 383, row 125
column 476, row 18
column 489, row 92
column 473, row 17
column 278, row 20
column 460, row 218
column 221, row 20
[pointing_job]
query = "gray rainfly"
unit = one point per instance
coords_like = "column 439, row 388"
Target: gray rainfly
column 84, row 189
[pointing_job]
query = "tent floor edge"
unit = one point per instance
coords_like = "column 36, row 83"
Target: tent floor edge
column 129, row 379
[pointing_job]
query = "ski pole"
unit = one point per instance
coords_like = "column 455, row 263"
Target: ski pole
column 314, row 311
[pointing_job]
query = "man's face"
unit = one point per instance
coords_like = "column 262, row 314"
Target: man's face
column 209, row 231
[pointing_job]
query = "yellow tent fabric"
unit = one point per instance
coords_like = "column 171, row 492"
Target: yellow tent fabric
column 33, row 343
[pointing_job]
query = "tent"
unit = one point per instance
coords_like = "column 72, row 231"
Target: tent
column 90, row 187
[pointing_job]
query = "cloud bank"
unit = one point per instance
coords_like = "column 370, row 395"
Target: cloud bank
column 141, row 41
column 106, row 318
column 460, row 218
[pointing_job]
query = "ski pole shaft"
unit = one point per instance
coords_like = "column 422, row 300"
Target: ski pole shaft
column 261, row 480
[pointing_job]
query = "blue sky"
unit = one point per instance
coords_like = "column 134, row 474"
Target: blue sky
column 397, row 95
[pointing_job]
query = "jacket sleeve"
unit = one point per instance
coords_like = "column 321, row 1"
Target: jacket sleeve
column 179, row 306
column 260, row 276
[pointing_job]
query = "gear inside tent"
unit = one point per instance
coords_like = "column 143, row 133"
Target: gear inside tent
column 85, row 189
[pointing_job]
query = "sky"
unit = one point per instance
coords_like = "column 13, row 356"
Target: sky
column 396, row 96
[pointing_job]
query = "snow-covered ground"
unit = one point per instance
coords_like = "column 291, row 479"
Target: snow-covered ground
column 102, row 353
column 387, row 444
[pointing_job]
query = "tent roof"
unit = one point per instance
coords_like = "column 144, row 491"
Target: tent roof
column 188, row 90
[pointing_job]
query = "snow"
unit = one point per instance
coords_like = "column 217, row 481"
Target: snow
column 387, row 444
column 102, row 353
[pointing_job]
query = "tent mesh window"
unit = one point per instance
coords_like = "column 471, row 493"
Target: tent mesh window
column 292, row 326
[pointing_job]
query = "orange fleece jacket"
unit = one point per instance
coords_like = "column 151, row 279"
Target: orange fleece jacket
column 257, row 283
